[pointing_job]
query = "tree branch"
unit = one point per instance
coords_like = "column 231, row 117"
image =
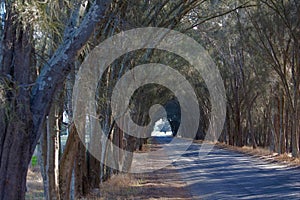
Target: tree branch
column 49, row 80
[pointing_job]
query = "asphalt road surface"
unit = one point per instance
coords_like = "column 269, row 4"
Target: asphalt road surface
column 225, row 174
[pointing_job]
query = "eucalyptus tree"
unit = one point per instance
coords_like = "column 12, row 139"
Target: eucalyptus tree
column 276, row 25
column 26, row 96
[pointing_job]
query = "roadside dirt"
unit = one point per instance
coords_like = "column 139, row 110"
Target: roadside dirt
column 161, row 184
column 265, row 154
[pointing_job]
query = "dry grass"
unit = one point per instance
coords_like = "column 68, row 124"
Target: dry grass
column 263, row 153
column 161, row 184
column 286, row 158
column 121, row 186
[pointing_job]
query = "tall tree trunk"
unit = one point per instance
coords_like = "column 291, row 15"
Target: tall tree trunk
column 281, row 130
column 287, row 127
column 93, row 163
column 66, row 164
column 42, row 157
column 294, row 135
column 253, row 139
column 296, row 81
column 50, row 149
column 228, row 126
column 14, row 163
column 81, row 179
column 16, row 117
column 53, row 133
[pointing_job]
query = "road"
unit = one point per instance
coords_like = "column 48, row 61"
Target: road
column 225, row 174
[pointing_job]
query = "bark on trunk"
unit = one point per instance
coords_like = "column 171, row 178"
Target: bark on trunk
column 254, row 145
column 67, row 163
column 294, row 136
column 42, row 156
column 53, row 133
column 81, row 180
column 16, row 117
column 14, row 163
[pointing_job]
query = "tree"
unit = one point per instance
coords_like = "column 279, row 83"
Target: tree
column 23, row 111
column 276, row 24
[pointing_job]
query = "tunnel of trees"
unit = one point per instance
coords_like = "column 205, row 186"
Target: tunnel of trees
column 254, row 43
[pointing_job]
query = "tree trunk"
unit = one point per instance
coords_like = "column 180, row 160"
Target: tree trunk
column 286, row 131
column 15, row 115
column 53, row 134
column 81, row 179
column 50, row 149
column 42, row 157
column 67, row 163
column 254, row 145
column 93, row 163
column 295, row 125
column 15, row 157
column 294, row 135
column 230, row 134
